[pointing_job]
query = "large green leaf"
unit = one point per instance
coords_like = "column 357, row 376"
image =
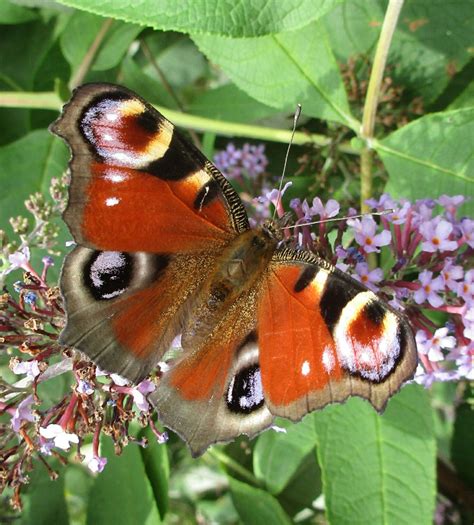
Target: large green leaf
column 149, row 88
column 378, row 469
column 122, row 493
column 229, row 103
column 255, row 506
column 462, row 451
column 26, row 166
column 78, row 483
column 23, row 49
column 239, row 18
column 25, row 57
column 179, row 59
column 278, row 455
column 284, row 69
column 431, row 156
column 433, row 39
column 463, row 89
column 304, row 487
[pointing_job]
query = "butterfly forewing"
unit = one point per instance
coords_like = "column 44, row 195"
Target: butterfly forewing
column 136, row 183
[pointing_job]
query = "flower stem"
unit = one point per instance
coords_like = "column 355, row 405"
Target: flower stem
column 68, row 413
column 373, row 93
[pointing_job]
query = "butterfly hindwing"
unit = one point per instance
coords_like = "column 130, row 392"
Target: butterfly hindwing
column 323, row 337
column 213, row 393
column 124, row 309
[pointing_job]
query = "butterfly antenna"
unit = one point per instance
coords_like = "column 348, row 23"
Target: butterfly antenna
column 335, row 219
column 295, row 121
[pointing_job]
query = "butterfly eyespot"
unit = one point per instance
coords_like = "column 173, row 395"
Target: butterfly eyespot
column 245, row 391
column 108, row 274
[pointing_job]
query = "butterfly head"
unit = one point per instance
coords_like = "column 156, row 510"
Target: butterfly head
column 273, row 228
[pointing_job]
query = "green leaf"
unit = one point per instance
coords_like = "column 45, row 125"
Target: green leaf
column 181, row 62
column 255, row 506
column 18, row 69
column 354, row 27
column 431, row 157
column 149, row 88
column 378, row 469
column 281, row 70
column 15, row 14
column 432, row 42
column 239, row 19
column 157, row 467
column 52, row 391
column 122, row 493
column 44, row 500
column 229, row 103
column 278, row 455
column 216, row 511
column 116, row 44
column 464, row 88
column 433, row 38
column 82, row 30
column 27, row 166
column 28, row 61
column 462, row 451
column 465, row 99
column 304, row 487
column 78, row 35
column 444, row 396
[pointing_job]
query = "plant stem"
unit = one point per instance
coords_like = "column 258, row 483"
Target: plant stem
column 233, row 465
column 169, row 88
column 373, row 93
column 50, row 100
column 84, row 66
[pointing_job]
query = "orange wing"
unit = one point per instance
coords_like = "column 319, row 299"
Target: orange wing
column 150, row 215
column 323, row 337
column 136, row 184
column 124, row 309
column 213, row 393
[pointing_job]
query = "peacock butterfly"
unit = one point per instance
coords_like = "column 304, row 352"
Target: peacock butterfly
column 164, row 247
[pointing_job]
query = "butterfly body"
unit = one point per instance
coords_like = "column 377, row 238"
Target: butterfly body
column 165, row 249
column 237, row 269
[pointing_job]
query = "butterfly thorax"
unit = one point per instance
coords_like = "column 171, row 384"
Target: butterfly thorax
column 240, row 265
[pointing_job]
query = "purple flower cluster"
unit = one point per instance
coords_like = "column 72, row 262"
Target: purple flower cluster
column 235, row 163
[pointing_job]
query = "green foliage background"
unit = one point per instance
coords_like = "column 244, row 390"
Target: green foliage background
column 249, row 62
